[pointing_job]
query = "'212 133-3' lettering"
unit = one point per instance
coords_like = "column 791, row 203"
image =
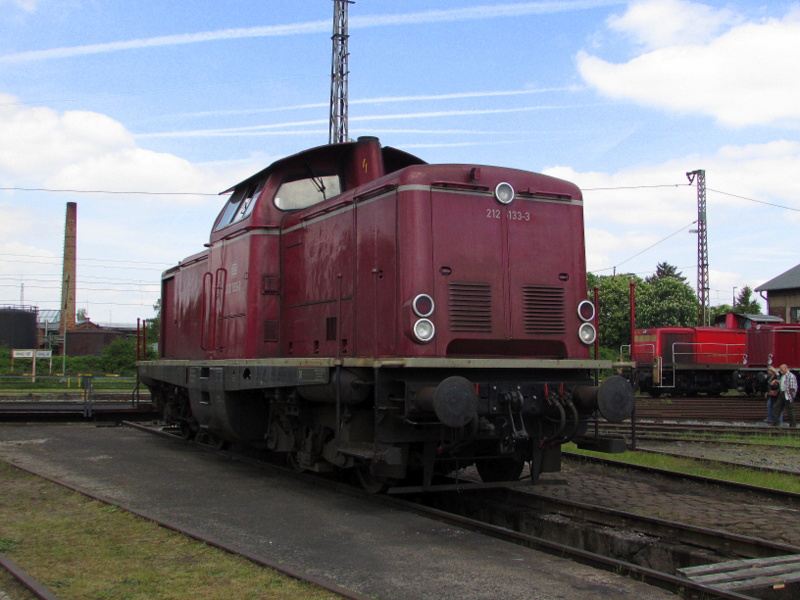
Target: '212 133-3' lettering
column 514, row 215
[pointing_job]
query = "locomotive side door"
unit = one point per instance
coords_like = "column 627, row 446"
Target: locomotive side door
column 376, row 276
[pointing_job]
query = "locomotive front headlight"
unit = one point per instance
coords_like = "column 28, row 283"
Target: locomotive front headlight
column 424, row 330
column 423, row 305
column 587, row 333
column 586, row 310
column 504, row 192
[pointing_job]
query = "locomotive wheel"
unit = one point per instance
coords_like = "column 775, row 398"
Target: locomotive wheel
column 187, row 431
column 371, row 483
column 499, row 469
column 293, row 462
column 217, row 442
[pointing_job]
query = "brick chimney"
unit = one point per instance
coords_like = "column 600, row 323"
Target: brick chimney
column 70, row 268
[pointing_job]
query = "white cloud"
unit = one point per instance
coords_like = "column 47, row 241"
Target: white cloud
column 661, row 23
column 39, row 140
column 135, row 236
column 752, row 202
column 745, row 76
column 90, row 151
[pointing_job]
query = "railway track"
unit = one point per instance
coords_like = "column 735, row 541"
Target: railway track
column 649, row 549
column 659, row 545
column 721, row 409
column 66, row 409
column 612, row 463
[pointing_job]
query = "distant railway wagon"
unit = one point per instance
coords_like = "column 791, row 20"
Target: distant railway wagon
column 358, row 309
column 773, row 345
column 688, row 360
column 734, row 354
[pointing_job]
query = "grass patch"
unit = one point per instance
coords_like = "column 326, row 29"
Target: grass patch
column 736, row 474
column 754, row 439
column 83, row 549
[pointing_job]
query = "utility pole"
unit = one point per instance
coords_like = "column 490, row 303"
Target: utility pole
column 703, row 287
column 337, row 129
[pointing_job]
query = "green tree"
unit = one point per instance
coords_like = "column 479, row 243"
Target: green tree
column 666, row 302
column 746, row 304
column 662, row 299
column 613, row 310
column 664, row 270
column 592, row 281
column 722, row 309
column 152, row 331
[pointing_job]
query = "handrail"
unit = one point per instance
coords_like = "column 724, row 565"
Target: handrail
column 716, row 349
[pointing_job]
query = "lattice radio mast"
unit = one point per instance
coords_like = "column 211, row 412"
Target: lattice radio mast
column 703, row 287
column 337, row 130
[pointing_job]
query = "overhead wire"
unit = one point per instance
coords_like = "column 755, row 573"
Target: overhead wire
column 70, row 191
column 646, row 249
column 164, row 265
column 692, row 223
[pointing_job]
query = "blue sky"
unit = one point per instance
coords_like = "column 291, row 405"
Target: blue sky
column 177, row 101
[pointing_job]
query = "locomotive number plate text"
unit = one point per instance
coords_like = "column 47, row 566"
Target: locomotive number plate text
column 513, row 215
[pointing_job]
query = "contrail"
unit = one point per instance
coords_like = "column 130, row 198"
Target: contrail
column 428, row 16
column 383, row 100
column 269, row 129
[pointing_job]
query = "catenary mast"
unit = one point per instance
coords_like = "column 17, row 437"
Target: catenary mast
column 337, row 130
column 703, row 287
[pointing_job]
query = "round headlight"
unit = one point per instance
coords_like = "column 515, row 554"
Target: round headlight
column 586, row 310
column 423, row 305
column 424, row 330
column 587, row 333
column 504, row 193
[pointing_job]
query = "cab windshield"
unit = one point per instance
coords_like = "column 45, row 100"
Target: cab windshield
column 302, row 192
column 240, row 204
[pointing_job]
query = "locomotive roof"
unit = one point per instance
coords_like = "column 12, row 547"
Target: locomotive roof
column 393, row 160
column 743, row 318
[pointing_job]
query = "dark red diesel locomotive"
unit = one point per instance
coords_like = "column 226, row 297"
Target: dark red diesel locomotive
column 357, row 308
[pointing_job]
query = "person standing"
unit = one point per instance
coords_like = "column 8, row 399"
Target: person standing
column 786, row 397
column 773, row 391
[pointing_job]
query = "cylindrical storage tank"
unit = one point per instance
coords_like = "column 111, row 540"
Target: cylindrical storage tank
column 18, row 327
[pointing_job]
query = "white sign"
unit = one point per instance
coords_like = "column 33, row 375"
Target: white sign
column 29, row 353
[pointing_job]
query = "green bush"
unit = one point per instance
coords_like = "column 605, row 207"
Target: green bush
column 118, row 358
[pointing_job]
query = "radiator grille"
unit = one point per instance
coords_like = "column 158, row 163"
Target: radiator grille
column 543, row 309
column 470, row 307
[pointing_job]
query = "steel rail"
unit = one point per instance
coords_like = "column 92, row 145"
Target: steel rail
column 715, row 461
column 33, row 585
column 715, row 540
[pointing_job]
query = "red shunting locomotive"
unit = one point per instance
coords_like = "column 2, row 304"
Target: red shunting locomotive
column 357, row 308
